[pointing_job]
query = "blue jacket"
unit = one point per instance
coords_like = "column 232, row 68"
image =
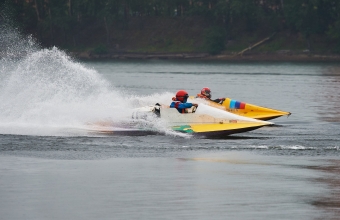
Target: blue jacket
column 181, row 107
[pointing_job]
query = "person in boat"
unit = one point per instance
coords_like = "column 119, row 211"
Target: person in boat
column 206, row 94
column 180, row 102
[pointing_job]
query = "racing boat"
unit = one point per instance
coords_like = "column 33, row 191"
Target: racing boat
column 204, row 120
column 244, row 109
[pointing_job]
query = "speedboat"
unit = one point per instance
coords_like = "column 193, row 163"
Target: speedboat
column 205, row 120
column 244, row 109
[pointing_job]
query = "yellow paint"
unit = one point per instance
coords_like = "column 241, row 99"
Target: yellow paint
column 254, row 111
column 223, row 127
column 250, row 110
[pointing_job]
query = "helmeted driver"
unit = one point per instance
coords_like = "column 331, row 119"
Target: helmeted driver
column 180, row 102
column 206, row 94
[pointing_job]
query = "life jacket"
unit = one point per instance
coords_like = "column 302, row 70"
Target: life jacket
column 202, row 96
column 183, row 110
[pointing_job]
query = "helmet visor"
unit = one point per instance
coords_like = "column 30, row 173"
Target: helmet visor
column 207, row 93
column 185, row 98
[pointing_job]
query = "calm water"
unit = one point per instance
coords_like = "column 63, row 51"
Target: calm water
column 51, row 167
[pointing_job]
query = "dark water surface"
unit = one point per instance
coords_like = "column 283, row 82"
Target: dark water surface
column 52, row 169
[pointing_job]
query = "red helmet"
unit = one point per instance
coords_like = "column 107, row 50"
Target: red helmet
column 206, row 92
column 182, row 96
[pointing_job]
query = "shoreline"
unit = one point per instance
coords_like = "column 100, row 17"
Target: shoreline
column 280, row 56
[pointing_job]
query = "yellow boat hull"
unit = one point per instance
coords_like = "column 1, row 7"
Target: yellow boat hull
column 210, row 121
column 252, row 111
column 205, row 121
column 248, row 110
column 217, row 130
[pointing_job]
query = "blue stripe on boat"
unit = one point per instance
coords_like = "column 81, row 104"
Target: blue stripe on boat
column 237, row 105
column 232, row 104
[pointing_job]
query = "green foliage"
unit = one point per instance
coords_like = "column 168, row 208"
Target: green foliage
column 308, row 16
column 100, row 49
column 200, row 10
column 61, row 21
column 215, row 38
column 334, row 31
column 272, row 46
column 334, row 34
column 334, row 27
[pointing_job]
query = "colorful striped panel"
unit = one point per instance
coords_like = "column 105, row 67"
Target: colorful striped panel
column 237, row 105
column 232, row 104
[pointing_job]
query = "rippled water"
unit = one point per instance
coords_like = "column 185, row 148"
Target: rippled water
column 51, row 167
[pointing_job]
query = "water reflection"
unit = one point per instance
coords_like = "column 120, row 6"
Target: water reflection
column 328, row 97
column 331, row 202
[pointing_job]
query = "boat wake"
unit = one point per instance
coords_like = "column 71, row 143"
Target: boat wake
column 46, row 92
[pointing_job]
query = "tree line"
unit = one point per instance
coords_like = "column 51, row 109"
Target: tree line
column 308, row 17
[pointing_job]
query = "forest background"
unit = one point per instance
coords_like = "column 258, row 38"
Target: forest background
column 179, row 26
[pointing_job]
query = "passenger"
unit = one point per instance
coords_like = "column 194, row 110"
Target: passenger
column 180, row 102
column 206, row 94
